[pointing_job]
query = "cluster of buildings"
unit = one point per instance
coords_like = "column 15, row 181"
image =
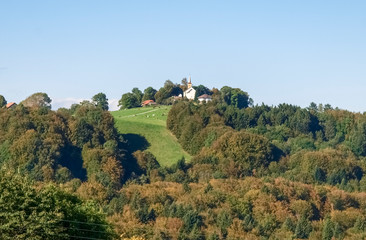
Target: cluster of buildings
column 190, row 94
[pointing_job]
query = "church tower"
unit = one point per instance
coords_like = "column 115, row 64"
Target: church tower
column 190, row 93
column 189, row 83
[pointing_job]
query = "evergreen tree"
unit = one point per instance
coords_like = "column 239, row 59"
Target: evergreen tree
column 214, row 236
column 289, row 225
column 248, row 223
column 328, row 230
column 338, row 231
column 223, row 221
column 208, row 188
column 359, row 225
column 319, row 175
column 303, row 228
column 186, row 187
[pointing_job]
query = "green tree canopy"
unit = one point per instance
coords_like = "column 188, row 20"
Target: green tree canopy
column 46, row 213
column 100, row 100
column 2, row 101
column 128, row 100
column 149, row 94
column 138, row 94
column 38, row 100
column 247, row 151
column 170, row 89
column 200, row 90
column 235, row 97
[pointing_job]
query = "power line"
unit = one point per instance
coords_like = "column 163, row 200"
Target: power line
column 87, row 230
column 86, row 223
column 88, row 238
column 79, row 230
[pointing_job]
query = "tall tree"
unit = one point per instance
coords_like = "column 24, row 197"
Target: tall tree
column 357, row 139
column 38, row 100
column 2, row 101
column 184, row 84
column 235, row 97
column 149, row 94
column 328, row 230
column 161, row 95
column 313, row 107
column 200, row 90
column 100, row 100
column 128, row 100
column 138, row 94
column 303, row 228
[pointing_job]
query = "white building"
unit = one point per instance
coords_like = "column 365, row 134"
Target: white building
column 190, row 93
column 205, row 98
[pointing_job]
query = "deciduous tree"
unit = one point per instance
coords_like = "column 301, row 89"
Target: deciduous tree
column 128, row 100
column 100, row 100
column 38, row 100
column 149, row 94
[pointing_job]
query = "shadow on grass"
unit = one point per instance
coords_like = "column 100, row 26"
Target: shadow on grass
column 133, row 143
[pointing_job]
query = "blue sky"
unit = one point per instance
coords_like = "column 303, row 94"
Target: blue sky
column 278, row 51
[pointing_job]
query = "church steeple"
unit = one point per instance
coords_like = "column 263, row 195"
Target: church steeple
column 189, row 83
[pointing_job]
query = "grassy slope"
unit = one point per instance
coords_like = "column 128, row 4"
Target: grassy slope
column 150, row 123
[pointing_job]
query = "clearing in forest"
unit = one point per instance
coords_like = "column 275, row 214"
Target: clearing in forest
column 145, row 128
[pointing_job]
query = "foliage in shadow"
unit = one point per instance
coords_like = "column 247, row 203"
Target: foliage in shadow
column 72, row 160
column 132, row 143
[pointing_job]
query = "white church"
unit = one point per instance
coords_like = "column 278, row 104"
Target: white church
column 190, row 93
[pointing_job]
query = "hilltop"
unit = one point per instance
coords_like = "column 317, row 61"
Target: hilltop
column 256, row 171
column 145, row 128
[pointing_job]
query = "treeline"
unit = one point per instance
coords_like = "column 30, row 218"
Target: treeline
column 316, row 144
column 63, row 145
column 78, row 149
column 258, row 172
column 248, row 208
column 47, row 212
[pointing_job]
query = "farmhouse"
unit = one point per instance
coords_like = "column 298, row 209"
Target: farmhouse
column 11, row 105
column 190, row 93
column 148, row 103
column 205, row 98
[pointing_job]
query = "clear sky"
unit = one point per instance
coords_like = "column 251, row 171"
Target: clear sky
column 278, row 51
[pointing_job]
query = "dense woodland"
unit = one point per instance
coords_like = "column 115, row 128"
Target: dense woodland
column 258, row 171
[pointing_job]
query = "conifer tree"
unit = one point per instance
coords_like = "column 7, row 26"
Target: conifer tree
column 359, row 225
column 328, row 230
column 289, row 225
column 303, row 228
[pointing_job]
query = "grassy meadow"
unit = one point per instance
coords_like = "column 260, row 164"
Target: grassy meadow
column 146, row 128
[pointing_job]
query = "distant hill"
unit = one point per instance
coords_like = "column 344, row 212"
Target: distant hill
column 145, row 128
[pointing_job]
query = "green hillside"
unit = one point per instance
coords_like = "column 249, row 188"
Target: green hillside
column 150, row 123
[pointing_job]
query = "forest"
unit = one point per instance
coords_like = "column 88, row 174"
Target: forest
column 257, row 171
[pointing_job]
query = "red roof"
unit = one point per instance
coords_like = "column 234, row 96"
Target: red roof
column 10, row 104
column 205, row 96
column 147, row 102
